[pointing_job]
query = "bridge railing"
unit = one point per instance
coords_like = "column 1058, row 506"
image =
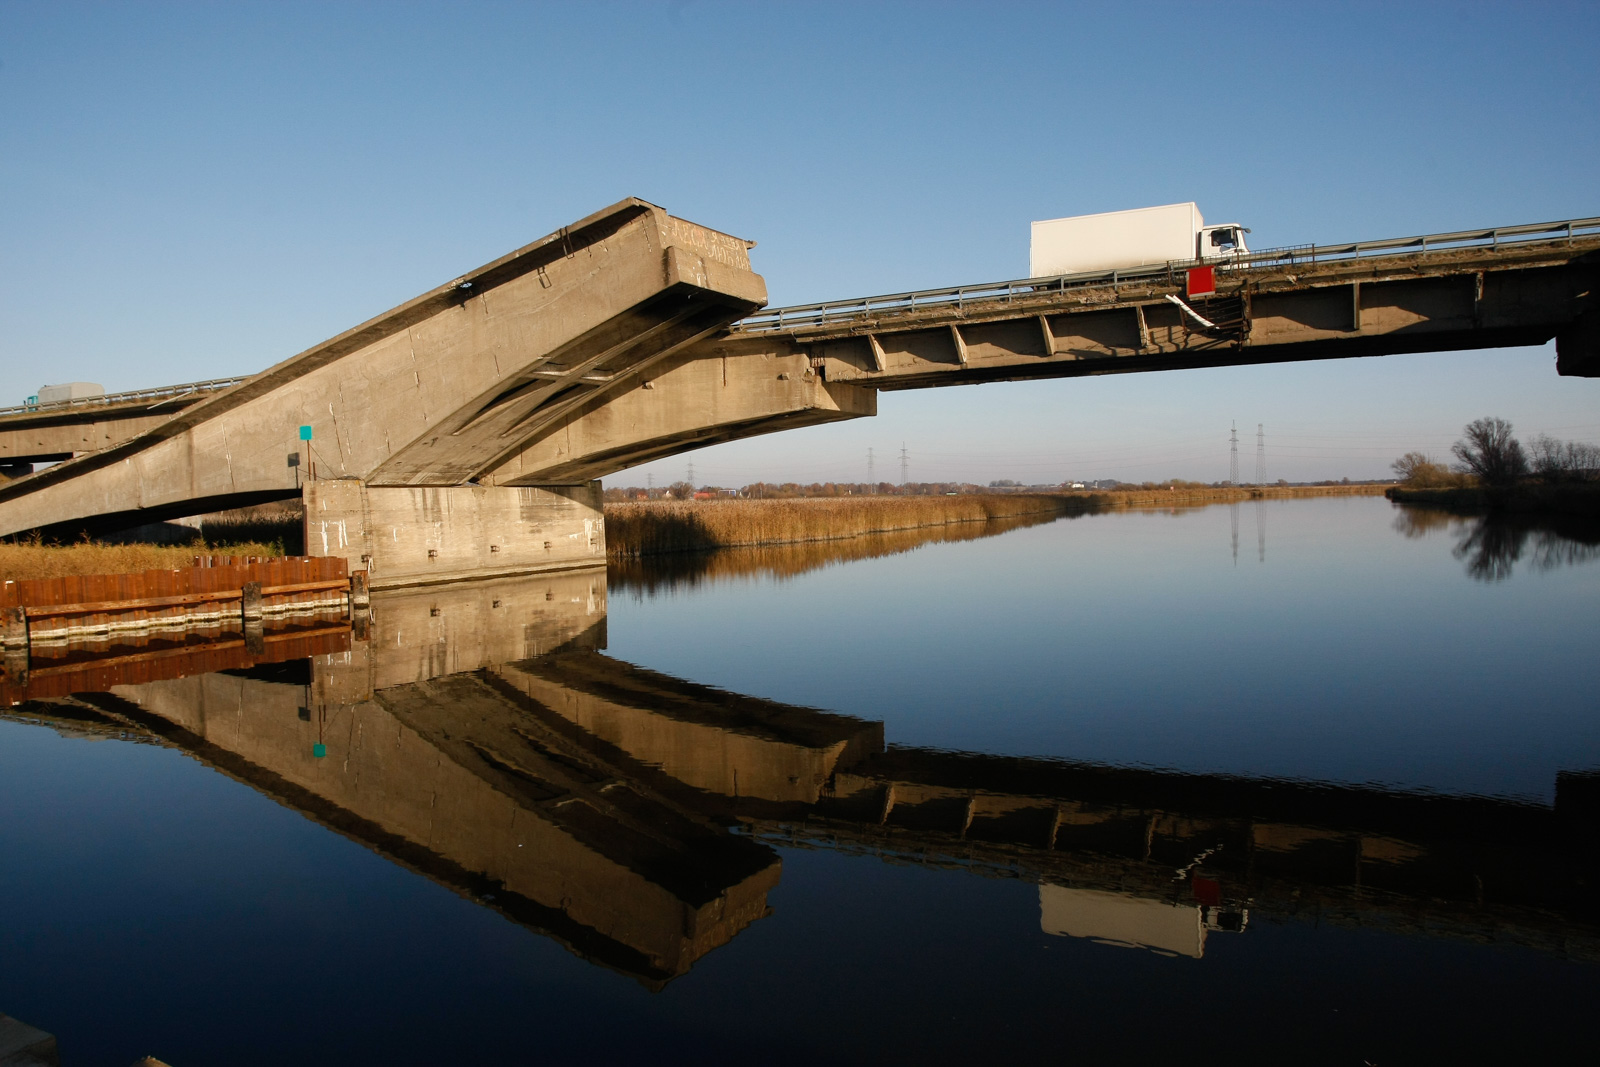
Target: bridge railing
column 169, row 392
column 838, row 311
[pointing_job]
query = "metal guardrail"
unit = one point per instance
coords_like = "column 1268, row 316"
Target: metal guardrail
column 169, row 392
column 838, row 311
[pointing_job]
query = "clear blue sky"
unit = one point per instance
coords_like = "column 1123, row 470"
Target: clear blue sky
column 199, row 190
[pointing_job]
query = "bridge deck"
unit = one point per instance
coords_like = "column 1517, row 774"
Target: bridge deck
column 1481, row 289
column 620, row 340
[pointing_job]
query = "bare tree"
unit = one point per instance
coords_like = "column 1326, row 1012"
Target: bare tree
column 1558, row 460
column 1488, row 450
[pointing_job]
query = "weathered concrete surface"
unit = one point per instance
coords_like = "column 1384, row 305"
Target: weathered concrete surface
column 689, row 401
column 407, row 536
column 46, row 438
column 58, row 430
column 435, row 392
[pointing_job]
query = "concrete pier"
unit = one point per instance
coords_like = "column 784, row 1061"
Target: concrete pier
column 416, row 535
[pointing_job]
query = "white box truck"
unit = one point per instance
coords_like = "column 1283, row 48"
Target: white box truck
column 57, row 394
column 1114, row 240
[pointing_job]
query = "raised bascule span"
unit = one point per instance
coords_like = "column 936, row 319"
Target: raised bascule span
column 460, row 434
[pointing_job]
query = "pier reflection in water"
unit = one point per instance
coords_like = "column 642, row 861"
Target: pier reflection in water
column 481, row 737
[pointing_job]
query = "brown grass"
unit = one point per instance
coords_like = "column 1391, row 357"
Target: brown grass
column 35, row 560
column 642, row 529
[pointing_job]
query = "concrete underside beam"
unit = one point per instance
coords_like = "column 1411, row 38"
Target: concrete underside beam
column 691, row 400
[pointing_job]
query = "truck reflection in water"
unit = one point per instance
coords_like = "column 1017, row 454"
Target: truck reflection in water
column 480, row 737
column 1163, row 927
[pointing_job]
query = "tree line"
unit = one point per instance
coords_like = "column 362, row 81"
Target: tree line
column 1488, row 454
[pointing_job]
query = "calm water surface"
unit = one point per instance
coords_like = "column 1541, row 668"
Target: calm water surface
column 1303, row 781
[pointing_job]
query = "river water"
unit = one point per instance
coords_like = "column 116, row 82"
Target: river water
column 1297, row 781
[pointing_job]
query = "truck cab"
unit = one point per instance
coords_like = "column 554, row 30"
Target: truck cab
column 1220, row 242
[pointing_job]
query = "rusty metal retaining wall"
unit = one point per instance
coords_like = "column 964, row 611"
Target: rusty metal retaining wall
column 225, row 612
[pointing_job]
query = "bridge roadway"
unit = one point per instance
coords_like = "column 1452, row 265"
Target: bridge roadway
column 459, row 434
column 478, row 736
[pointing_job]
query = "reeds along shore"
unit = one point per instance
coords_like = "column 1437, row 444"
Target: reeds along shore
column 648, row 528
column 36, row 560
column 649, row 576
column 656, row 527
column 1161, row 498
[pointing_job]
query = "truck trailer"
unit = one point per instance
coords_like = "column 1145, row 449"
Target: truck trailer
column 61, row 394
column 1115, row 240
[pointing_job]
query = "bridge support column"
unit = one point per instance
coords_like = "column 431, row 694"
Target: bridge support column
column 417, row 535
column 1578, row 346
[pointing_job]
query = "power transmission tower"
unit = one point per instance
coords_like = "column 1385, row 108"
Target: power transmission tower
column 1233, row 456
column 872, row 479
column 1233, row 515
column 691, row 474
column 1261, row 455
column 649, row 483
column 1261, row 530
column 905, row 464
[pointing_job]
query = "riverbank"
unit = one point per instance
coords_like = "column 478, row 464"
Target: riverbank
column 1144, row 498
column 663, row 526
column 1562, row 498
column 648, row 528
column 649, row 575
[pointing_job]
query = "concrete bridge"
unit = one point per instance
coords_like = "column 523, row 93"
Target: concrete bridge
column 459, row 434
column 479, row 737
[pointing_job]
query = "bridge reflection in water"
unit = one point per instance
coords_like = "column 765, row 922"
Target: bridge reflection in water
column 480, row 737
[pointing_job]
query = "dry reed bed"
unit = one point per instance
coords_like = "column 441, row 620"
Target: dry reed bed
column 30, row 560
column 1145, row 498
column 641, row 529
column 791, row 559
